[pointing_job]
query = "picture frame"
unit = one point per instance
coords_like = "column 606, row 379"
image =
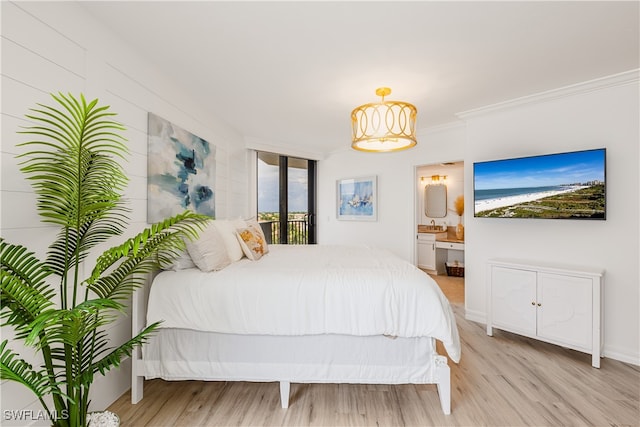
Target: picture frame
column 357, row 198
column 181, row 171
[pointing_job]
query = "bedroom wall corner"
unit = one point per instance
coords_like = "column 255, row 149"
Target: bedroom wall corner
column 598, row 114
column 57, row 46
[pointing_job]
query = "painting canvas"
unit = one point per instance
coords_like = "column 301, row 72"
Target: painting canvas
column 181, row 171
column 357, row 199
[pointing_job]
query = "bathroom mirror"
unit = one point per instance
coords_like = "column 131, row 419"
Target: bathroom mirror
column 435, row 200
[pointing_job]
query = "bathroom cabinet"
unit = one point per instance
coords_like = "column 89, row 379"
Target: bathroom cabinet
column 427, row 250
column 554, row 303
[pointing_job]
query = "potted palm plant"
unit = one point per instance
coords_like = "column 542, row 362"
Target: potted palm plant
column 73, row 165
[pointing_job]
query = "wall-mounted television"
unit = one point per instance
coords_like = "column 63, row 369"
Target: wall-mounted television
column 557, row 186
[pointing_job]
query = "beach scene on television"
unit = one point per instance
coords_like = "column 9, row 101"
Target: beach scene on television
column 558, row 186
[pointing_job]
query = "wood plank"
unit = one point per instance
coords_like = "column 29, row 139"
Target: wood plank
column 506, row 379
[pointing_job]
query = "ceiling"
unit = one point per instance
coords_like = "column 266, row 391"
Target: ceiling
column 289, row 73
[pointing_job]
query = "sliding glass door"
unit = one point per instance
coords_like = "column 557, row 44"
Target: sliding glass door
column 286, row 198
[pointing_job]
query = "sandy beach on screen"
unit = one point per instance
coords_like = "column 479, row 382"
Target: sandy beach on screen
column 485, row 205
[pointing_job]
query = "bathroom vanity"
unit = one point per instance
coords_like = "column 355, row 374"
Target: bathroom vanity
column 438, row 189
column 436, row 247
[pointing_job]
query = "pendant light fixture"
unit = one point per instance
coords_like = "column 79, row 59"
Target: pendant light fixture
column 383, row 126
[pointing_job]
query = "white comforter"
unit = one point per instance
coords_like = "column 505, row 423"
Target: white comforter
column 308, row 290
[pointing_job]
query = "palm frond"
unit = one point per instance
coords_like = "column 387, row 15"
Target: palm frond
column 76, row 178
column 13, row 368
column 70, row 326
column 138, row 255
column 113, row 359
column 98, row 344
column 72, row 161
column 24, row 293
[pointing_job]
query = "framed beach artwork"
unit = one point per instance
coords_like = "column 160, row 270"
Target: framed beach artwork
column 181, row 171
column 568, row 185
column 357, row 198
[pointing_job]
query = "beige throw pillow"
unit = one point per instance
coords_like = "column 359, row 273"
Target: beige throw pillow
column 256, row 226
column 209, row 252
column 252, row 240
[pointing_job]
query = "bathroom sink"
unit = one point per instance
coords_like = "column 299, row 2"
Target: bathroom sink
column 431, row 229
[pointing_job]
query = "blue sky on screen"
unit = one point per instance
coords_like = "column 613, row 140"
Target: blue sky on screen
column 540, row 171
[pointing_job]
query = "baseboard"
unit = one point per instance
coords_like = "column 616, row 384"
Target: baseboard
column 610, row 353
column 621, row 356
column 475, row 316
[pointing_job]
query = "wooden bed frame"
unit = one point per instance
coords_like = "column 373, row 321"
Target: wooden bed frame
column 440, row 371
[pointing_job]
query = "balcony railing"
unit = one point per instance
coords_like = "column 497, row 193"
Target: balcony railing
column 297, row 231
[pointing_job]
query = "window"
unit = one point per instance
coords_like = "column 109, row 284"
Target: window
column 286, row 198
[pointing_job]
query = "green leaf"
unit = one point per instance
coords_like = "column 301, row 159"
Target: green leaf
column 24, row 293
column 114, row 358
column 12, row 368
column 72, row 161
column 70, row 326
column 77, row 180
column 139, row 255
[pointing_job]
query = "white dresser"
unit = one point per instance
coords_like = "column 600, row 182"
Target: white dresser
column 555, row 303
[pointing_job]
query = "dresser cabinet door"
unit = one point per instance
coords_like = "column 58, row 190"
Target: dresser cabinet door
column 513, row 300
column 566, row 310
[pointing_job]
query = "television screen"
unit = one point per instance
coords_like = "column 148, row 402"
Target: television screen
column 557, row 186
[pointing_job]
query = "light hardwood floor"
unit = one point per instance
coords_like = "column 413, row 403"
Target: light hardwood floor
column 504, row 380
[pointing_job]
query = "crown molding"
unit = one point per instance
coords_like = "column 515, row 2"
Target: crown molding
column 620, row 79
column 457, row 124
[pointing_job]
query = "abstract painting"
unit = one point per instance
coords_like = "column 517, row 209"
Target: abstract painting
column 181, row 171
column 357, row 198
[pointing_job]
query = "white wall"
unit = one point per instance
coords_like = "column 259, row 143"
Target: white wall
column 395, row 228
column 55, row 46
column 603, row 113
column 597, row 114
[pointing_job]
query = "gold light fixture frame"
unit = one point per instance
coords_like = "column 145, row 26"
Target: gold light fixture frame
column 384, row 126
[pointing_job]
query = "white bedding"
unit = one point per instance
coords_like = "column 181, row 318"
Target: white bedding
column 308, row 290
column 183, row 354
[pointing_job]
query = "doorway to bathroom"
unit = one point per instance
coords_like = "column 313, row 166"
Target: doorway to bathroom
column 439, row 225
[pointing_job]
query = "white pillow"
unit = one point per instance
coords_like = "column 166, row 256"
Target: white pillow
column 209, row 252
column 183, row 262
column 227, row 232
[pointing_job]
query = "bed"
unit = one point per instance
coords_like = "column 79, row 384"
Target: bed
column 298, row 314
